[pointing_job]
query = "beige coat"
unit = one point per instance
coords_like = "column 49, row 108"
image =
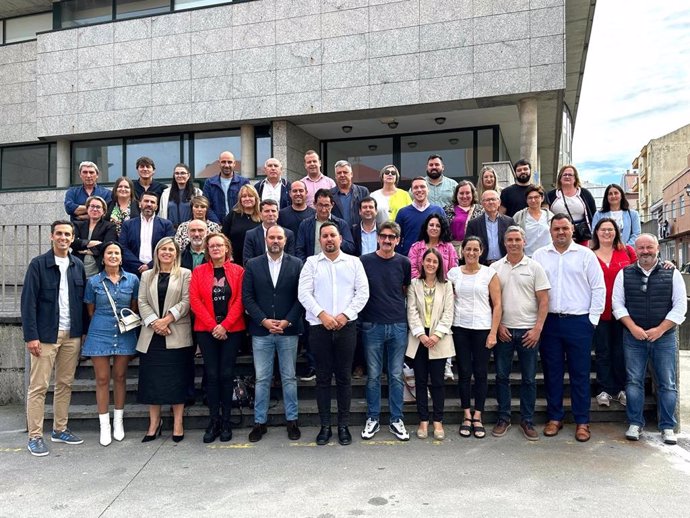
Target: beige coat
column 441, row 318
column 176, row 303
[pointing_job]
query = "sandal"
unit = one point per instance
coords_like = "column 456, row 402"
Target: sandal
column 479, row 430
column 466, row 429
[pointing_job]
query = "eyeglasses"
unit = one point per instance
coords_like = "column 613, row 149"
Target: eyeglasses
column 390, row 173
column 220, row 245
column 388, row 237
column 643, row 286
column 567, row 175
column 180, row 174
column 95, row 207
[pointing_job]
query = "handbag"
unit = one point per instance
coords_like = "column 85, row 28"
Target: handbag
column 582, row 231
column 127, row 319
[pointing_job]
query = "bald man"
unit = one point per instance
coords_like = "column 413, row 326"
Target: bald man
column 222, row 190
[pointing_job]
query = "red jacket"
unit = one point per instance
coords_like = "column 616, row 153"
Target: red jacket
column 201, row 301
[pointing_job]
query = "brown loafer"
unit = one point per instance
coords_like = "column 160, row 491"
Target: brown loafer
column 552, row 428
column 582, row 433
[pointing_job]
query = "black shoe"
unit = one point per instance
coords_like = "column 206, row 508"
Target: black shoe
column 178, row 438
column 257, row 432
column 226, row 431
column 212, row 430
column 293, row 431
column 324, row 436
column 310, row 375
column 344, row 436
column 157, row 433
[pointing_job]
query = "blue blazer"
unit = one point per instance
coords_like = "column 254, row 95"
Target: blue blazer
column 307, row 233
column 255, row 243
column 262, row 300
column 131, row 243
column 358, row 193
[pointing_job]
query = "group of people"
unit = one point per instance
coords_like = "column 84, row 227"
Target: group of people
column 363, row 279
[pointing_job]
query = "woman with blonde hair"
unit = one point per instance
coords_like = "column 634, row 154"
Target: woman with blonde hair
column 390, row 199
column 488, row 181
column 243, row 217
column 165, row 343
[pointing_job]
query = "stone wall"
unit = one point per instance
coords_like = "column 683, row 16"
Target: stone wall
column 18, row 99
column 12, row 358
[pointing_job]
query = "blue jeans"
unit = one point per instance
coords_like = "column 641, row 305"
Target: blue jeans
column 662, row 354
column 567, row 337
column 265, row 349
column 503, row 355
column 376, row 339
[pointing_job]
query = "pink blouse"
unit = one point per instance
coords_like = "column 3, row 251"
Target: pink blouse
column 447, row 251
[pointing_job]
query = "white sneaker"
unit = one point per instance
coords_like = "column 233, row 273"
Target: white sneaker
column 633, row 433
column 668, row 436
column 448, row 372
column 397, row 428
column 371, row 427
column 622, row 398
column 604, row 399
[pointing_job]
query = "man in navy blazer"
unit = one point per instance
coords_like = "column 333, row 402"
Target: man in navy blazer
column 269, row 294
column 491, row 227
column 139, row 236
column 306, row 235
column 347, row 196
column 255, row 239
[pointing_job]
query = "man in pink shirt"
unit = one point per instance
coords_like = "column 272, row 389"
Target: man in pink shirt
column 314, row 180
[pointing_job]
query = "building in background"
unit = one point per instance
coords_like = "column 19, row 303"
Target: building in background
column 659, row 161
column 182, row 80
column 674, row 217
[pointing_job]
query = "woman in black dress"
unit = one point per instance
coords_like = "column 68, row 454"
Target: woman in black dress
column 243, row 217
column 165, row 342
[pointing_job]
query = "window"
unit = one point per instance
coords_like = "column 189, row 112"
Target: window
column 673, row 208
column 682, row 205
column 23, row 167
column 456, row 148
column 190, row 4
column 134, row 8
column 76, row 13
column 24, row 28
column 106, row 154
column 166, row 152
column 207, row 147
column 264, row 148
column 367, row 156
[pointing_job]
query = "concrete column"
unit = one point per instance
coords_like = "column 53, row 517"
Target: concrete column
column 63, row 164
column 527, row 109
column 248, row 146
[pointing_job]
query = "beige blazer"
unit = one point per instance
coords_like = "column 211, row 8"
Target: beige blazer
column 176, row 303
column 441, row 318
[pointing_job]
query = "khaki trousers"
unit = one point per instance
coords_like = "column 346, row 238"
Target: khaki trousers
column 64, row 357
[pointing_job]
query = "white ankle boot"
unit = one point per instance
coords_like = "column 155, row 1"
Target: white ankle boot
column 118, row 424
column 105, row 429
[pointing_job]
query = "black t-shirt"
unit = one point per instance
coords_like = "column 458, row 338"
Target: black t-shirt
column 387, row 277
column 513, row 198
column 290, row 218
column 221, row 294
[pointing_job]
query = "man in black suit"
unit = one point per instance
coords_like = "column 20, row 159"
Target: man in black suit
column 269, row 294
column 491, row 227
column 139, row 236
column 255, row 242
column 364, row 233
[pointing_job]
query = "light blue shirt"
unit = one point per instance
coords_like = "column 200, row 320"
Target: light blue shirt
column 369, row 243
column 225, row 185
column 492, row 238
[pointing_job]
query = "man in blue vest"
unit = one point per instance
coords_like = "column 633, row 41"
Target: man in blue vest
column 650, row 301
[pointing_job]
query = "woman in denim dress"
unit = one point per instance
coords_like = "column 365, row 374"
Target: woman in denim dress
column 104, row 340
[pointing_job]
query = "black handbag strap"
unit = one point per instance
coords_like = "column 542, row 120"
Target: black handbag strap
column 563, row 196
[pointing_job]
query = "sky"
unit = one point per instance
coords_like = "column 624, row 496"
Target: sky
column 636, row 84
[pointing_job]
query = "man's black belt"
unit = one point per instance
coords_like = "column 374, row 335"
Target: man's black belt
column 567, row 315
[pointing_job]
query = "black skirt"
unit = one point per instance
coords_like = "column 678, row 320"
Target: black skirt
column 164, row 373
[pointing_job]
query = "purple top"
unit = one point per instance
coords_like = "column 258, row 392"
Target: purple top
column 459, row 223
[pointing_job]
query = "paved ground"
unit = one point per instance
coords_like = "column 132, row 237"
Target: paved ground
column 607, row 476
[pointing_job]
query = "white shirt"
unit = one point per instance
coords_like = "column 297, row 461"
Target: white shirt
column 63, row 294
column 537, row 233
column 145, row 238
column 274, row 268
column 271, row 193
column 577, row 281
column 338, row 286
column 678, row 297
column 519, row 287
column 472, row 306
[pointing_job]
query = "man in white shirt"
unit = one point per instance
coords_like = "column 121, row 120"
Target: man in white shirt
column 333, row 289
column 650, row 301
column 576, row 302
column 274, row 186
column 525, row 296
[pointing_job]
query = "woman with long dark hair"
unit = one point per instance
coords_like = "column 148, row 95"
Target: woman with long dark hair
column 434, row 233
column 430, row 343
column 123, row 206
column 615, row 206
column 175, row 203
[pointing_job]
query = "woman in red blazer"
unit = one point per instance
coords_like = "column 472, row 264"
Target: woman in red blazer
column 215, row 295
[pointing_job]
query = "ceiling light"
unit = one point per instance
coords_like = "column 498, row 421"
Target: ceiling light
column 440, row 120
column 412, row 144
column 347, row 129
column 393, row 124
column 453, row 141
column 373, row 147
